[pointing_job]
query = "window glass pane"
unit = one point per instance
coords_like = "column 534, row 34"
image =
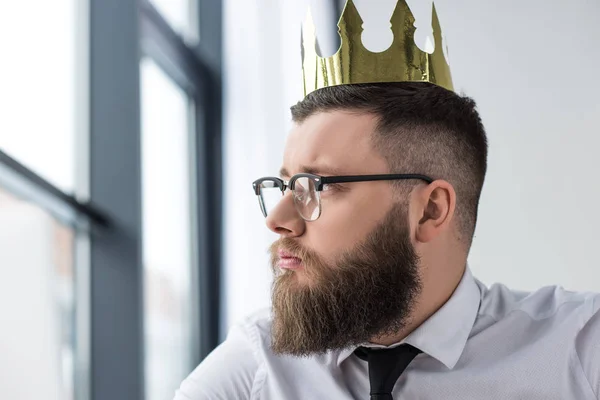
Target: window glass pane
column 37, row 81
column 36, row 303
column 167, row 232
column 181, row 15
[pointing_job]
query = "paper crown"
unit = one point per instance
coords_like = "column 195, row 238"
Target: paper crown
column 403, row 61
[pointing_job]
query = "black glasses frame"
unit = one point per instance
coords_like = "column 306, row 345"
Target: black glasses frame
column 320, row 181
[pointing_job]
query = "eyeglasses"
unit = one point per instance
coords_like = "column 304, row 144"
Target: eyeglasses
column 306, row 189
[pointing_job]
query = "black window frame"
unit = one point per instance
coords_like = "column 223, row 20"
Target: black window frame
column 137, row 29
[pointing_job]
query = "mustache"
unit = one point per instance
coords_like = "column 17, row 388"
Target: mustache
column 288, row 245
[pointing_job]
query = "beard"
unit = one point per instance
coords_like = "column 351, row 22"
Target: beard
column 370, row 291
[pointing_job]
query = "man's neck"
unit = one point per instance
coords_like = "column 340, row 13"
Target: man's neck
column 428, row 303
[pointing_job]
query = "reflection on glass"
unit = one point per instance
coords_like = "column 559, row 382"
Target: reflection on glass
column 167, row 239
column 180, row 15
column 36, row 303
column 37, row 81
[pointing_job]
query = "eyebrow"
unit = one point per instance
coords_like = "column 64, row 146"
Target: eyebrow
column 317, row 170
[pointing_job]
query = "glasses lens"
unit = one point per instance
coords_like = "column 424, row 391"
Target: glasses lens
column 270, row 196
column 307, row 199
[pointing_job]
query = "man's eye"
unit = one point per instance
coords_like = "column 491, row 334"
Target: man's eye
column 331, row 187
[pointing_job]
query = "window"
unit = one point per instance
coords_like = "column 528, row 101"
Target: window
column 36, row 303
column 180, row 14
column 100, row 164
column 38, row 79
column 167, row 224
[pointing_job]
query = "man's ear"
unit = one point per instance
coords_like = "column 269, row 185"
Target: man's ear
column 435, row 205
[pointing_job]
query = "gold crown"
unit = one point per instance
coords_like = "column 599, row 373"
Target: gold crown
column 403, row 61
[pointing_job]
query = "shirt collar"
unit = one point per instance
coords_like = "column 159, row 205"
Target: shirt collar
column 444, row 335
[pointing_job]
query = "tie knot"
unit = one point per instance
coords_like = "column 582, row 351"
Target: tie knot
column 386, row 366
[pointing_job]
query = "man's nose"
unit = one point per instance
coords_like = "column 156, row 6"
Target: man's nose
column 284, row 219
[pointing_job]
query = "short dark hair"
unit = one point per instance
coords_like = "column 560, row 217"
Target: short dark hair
column 422, row 128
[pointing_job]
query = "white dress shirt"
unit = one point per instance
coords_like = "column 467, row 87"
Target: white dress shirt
column 482, row 344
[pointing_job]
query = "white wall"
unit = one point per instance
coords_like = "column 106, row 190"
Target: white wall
column 534, row 74
column 533, row 69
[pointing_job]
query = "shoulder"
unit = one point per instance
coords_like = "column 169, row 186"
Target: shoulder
column 572, row 318
column 587, row 346
column 231, row 369
column 500, row 302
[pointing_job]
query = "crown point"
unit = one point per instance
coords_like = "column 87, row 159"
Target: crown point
column 308, row 24
column 403, row 21
column 350, row 19
column 437, row 29
column 308, row 31
column 440, row 55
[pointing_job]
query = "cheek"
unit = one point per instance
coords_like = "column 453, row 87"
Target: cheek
column 346, row 221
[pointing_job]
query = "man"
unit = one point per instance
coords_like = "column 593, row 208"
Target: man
column 375, row 207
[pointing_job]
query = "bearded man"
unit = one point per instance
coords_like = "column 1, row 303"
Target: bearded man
column 375, row 207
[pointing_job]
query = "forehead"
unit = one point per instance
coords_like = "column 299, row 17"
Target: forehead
column 338, row 141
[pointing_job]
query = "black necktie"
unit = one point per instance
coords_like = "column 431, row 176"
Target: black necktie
column 385, row 367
